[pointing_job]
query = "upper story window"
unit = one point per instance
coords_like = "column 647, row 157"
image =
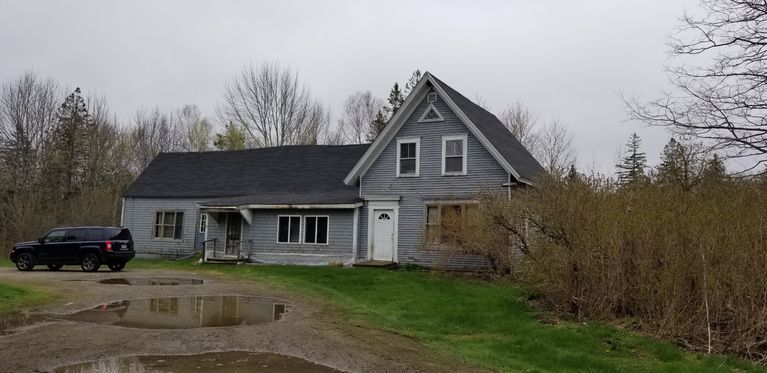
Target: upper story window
column 431, row 115
column 408, row 157
column 454, row 155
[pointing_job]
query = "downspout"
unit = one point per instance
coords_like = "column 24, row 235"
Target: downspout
column 122, row 213
column 355, row 239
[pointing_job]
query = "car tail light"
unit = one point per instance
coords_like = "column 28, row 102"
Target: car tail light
column 109, row 246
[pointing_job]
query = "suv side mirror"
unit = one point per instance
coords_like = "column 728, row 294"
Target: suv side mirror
column 41, row 240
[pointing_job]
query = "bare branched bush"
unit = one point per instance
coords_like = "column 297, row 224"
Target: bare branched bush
column 687, row 265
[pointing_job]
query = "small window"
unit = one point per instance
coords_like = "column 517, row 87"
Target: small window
column 55, row 236
column 431, row 97
column 454, row 155
column 431, row 114
column 316, row 229
column 384, row 216
column 407, row 157
column 168, row 224
column 289, row 229
column 203, row 223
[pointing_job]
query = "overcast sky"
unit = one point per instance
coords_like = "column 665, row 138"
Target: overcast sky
column 563, row 59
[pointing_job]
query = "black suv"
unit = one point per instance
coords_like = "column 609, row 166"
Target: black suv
column 90, row 247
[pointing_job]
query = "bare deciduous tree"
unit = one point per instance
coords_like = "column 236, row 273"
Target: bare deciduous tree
column 555, row 148
column 359, row 112
column 153, row 132
column 724, row 100
column 521, row 121
column 27, row 112
column 273, row 107
column 197, row 130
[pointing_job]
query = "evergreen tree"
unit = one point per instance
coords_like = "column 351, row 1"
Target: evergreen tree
column 376, row 126
column 233, row 138
column 572, row 174
column 632, row 166
column 680, row 165
column 395, row 100
column 69, row 142
column 714, row 170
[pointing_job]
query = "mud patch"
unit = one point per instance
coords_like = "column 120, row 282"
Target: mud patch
column 152, row 281
column 185, row 312
column 210, row 362
column 9, row 323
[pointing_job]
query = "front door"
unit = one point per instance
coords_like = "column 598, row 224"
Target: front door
column 383, row 235
column 233, row 233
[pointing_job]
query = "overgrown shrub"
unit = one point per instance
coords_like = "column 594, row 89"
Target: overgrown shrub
column 688, row 265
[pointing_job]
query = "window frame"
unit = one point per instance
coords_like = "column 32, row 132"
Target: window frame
column 465, row 142
column 203, row 226
column 409, row 140
column 439, row 205
column 300, row 229
column 162, row 224
column 423, row 119
column 316, row 223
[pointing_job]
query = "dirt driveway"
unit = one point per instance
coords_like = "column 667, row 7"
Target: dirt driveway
column 310, row 330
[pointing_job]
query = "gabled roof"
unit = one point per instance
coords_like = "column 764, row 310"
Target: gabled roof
column 256, row 176
column 485, row 126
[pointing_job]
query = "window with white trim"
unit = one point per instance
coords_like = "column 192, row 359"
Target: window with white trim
column 316, row 229
column 454, row 155
column 203, row 222
column 289, row 229
column 168, row 224
column 408, row 153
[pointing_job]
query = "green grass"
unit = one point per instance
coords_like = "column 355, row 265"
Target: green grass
column 15, row 297
column 489, row 325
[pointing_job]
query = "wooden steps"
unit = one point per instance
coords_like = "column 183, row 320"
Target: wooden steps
column 377, row 264
column 223, row 260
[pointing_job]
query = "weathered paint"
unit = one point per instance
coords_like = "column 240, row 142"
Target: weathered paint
column 139, row 216
column 484, row 174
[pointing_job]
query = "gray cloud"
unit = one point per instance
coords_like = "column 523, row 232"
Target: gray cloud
column 564, row 59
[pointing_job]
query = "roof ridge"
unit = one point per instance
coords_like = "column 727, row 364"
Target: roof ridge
column 270, row 148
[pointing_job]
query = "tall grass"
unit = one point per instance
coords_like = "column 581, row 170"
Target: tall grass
column 687, row 265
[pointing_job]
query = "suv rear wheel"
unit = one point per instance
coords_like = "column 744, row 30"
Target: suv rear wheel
column 90, row 263
column 25, row 262
column 55, row 267
column 116, row 267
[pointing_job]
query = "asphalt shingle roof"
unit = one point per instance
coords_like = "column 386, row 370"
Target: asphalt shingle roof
column 279, row 175
column 510, row 148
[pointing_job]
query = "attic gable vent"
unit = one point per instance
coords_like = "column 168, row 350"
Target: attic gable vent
column 431, row 97
column 431, row 114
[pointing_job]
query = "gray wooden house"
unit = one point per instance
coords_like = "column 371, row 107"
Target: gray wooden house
column 316, row 204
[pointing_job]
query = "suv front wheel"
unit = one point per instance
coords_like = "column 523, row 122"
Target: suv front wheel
column 25, row 262
column 91, row 263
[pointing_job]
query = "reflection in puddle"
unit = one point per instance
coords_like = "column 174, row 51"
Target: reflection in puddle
column 152, row 281
column 210, row 362
column 13, row 321
column 185, row 312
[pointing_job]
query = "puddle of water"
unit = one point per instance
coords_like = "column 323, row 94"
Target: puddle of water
column 185, row 312
column 10, row 322
column 210, row 362
column 152, row 281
